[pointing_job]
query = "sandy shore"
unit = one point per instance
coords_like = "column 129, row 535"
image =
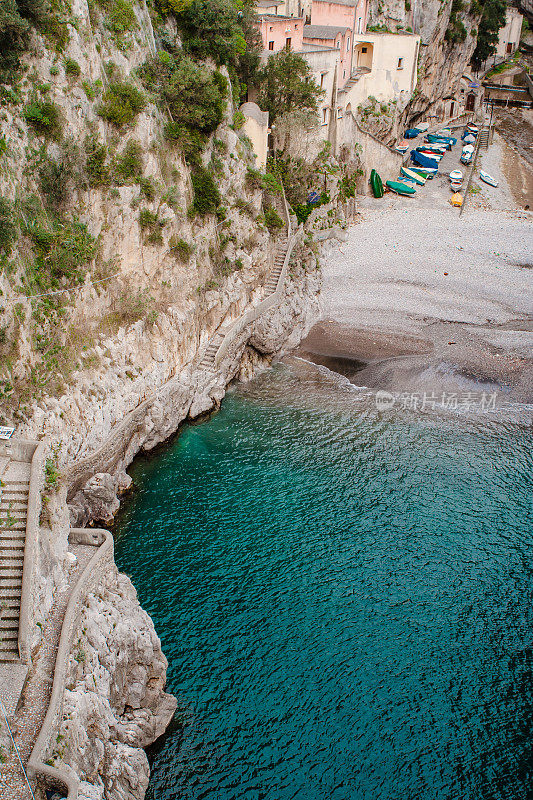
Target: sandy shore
column 419, row 298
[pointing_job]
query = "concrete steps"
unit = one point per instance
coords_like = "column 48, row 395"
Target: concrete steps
column 483, row 138
column 14, row 488
column 208, row 360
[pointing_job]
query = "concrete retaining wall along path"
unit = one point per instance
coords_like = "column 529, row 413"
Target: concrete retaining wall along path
column 373, row 153
column 37, row 768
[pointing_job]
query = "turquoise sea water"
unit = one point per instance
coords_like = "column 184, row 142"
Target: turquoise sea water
column 345, row 598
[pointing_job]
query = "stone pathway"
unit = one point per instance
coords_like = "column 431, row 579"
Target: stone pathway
column 28, row 721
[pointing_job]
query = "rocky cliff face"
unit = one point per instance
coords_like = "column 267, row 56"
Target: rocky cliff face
column 115, row 702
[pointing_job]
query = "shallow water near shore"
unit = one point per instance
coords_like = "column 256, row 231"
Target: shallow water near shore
column 345, row 597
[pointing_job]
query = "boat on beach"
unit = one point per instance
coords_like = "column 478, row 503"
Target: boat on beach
column 411, row 133
column 456, row 175
column 486, row 178
column 456, row 199
column 435, row 155
column 425, row 172
column 400, row 188
column 403, row 146
column 424, row 160
column 376, row 184
column 447, row 140
column 412, row 175
column 466, row 155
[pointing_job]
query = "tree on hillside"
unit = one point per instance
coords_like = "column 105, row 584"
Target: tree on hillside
column 192, row 93
column 492, row 19
column 287, row 85
column 223, row 30
column 14, row 32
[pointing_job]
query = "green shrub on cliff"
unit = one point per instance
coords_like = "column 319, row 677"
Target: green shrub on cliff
column 72, row 68
column 273, row 220
column 129, row 165
column 206, row 195
column 8, row 228
column 44, row 117
column 62, row 249
column 121, row 103
column 98, row 171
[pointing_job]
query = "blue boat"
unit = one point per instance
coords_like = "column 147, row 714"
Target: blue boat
column 436, row 138
column 411, row 133
column 422, row 160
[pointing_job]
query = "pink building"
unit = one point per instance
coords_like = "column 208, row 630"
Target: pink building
column 350, row 14
column 333, row 23
column 333, row 38
column 279, row 32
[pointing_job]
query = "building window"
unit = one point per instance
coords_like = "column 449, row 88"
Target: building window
column 344, row 73
column 339, row 113
column 363, row 49
column 271, row 45
column 339, row 44
column 288, row 43
column 270, row 29
column 296, row 27
column 359, row 24
column 400, row 63
column 322, row 76
column 324, row 116
column 348, row 43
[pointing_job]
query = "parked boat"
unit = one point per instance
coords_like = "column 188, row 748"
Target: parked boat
column 487, row 178
column 376, row 184
column 403, row 146
column 473, row 128
column 444, row 132
column 401, row 188
column 456, row 199
column 424, row 161
column 425, row 172
column 456, row 175
column 468, row 138
column 439, row 138
column 466, row 158
column 422, row 126
column 411, row 133
column 438, row 148
column 455, row 186
column 412, row 175
column 430, row 154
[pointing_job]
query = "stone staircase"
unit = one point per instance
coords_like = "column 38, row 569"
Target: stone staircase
column 483, row 138
column 208, row 360
column 14, row 488
column 356, row 75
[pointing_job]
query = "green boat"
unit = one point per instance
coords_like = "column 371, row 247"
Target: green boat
column 412, row 175
column 400, row 188
column 376, row 183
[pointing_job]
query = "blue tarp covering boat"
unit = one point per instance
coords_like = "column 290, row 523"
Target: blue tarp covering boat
column 412, row 133
column 422, row 160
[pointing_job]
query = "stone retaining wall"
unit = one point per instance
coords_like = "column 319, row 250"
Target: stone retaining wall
column 90, row 578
